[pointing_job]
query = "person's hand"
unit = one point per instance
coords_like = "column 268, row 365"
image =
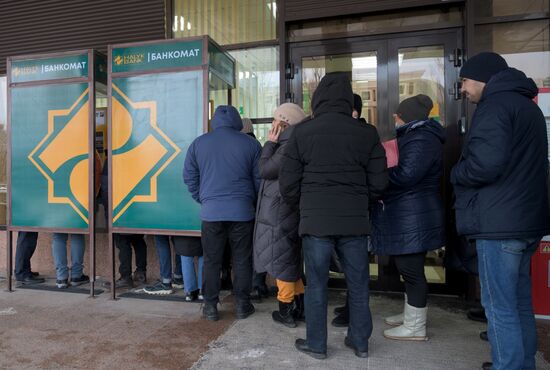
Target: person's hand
column 274, row 133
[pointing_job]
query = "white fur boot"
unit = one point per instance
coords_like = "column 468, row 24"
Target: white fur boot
column 414, row 325
column 396, row 320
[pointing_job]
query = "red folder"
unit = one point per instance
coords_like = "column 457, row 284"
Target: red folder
column 392, row 152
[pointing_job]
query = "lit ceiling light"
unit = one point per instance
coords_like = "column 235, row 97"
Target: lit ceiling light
column 175, row 25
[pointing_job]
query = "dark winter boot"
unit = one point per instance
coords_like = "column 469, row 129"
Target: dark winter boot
column 299, row 308
column 342, row 320
column 284, row 315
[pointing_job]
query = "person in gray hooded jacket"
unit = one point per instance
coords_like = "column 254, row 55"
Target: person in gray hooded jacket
column 276, row 241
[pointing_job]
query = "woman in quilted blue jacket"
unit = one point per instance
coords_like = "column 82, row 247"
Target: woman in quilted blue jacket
column 409, row 221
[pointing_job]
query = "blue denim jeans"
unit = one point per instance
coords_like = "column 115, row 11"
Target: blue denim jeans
column 164, row 254
column 506, row 296
column 190, row 277
column 59, row 252
column 353, row 254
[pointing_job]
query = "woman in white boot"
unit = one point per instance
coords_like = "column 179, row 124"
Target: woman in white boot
column 410, row 219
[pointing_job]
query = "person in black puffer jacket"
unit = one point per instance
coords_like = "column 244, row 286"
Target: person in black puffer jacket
column 332, row 167
column 410, row 219
column 276, row 241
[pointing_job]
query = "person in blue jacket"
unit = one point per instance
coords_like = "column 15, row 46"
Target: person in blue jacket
column 501, row 188
column 221, row 173
column 409, row 221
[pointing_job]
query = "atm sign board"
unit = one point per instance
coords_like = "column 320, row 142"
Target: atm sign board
column 157, row 56
column 29, row 70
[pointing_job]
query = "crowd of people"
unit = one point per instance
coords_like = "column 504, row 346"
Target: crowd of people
column 321, row 184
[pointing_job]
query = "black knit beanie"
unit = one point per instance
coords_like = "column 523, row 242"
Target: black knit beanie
column 416, row 108
column 357, row 104
column 483, row 66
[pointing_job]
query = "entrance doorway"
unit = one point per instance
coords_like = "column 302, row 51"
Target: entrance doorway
column 384, row 71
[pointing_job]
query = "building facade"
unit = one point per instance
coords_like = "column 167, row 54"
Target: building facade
column 391, row 50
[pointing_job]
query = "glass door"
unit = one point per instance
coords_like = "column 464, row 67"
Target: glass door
column 312, row 63
column 362, row 60
column 362, row 68
column 384, row 71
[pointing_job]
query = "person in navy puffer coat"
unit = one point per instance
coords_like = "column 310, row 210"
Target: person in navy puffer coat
column 221, row 173
column 501, row 188
column 410, row 219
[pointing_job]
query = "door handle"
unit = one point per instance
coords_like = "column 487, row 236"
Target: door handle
column 462, row 125
column 455, row 91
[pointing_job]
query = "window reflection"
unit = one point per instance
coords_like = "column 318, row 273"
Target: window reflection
column 375, row 24
column 524, row 45
column 261, row 131
column 422, row 71
column 226, row 21
column 499, row 8
column 362, row 68
column 256, row 94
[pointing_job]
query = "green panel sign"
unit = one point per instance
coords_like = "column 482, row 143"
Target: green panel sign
column 50, row 68
column 221, row 64
column 165, row 55
column 154, row 120
column 49, row 147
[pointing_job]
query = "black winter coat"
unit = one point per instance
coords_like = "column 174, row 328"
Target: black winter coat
column 333, row 165
column 188, row 246
column 500, row 180
column 276, row 241
column 411, row 217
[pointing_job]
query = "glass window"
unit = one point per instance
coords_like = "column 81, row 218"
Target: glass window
column 3, row 147
column 375, row 24
column 363, row 73
column 256, row 94
column 422, row 70
column 499, row 8
column 524, row 45
column 226, row 21
column 100, row 95
column 261, row 131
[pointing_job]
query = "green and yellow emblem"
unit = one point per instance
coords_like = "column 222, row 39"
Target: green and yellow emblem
column 62, row 156
column 141, row 152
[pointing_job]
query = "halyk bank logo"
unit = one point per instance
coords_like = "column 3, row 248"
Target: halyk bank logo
column 17, row 71
column 62, row 156
column 129, row 59
column 141, row 152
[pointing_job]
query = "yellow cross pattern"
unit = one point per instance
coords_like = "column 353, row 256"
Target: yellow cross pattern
column 70, row 142
column 131, row 167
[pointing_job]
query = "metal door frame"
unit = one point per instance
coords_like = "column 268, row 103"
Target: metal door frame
column 386, row 48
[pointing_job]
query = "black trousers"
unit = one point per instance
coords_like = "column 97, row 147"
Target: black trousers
column 26, row 245
column 411, row 267
column 258, row 279
column 124, row 243
column 214, row 238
